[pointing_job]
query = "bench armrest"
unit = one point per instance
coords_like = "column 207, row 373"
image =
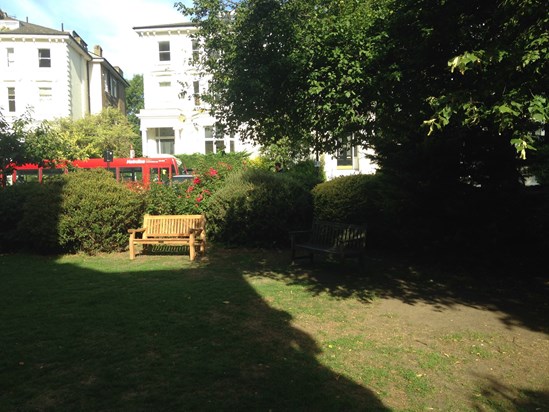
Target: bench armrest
column 133, row 233
column 297, row 234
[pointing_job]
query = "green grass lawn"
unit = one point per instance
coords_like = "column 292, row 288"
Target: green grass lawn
column 245, row 330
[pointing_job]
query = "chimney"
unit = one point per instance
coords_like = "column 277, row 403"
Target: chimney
column 97, row 50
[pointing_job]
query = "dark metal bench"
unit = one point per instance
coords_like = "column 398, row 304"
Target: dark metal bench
column 341, row 239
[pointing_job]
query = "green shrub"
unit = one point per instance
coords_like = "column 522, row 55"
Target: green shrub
column 201, row 163
column 38, row 229
column 258, row 207
column 84, row 211
column 13, row 200
column 307, row 173
column 371, row 200
column 97, row 212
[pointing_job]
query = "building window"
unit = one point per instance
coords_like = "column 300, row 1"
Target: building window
column 165, row 84
column 111, row 85
column 346, row 155
column 44, row 58
column 196, row 92
column 11, row 99
column 164, row 51
column 165, row 140
column 44, row 94
column 165, row 146
column 215, row 141
column 10, row 57
column 196, row 50
column 114, row 87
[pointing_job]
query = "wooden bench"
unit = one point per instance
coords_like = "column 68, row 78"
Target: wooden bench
column 171, row 230
column 341, row 239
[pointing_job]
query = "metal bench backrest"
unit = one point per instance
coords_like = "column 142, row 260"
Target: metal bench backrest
column 338, row 235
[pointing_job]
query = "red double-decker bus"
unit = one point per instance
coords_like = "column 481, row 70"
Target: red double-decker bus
column 139, row 169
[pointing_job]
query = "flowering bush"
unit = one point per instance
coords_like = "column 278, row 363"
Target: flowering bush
column 136, row 187
column 188, row 197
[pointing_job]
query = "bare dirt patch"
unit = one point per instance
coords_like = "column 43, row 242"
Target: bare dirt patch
column 430, row 337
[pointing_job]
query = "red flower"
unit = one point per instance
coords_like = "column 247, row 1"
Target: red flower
column 190, row 189
column 213, row 172
column 199, row 199
column 196, row 181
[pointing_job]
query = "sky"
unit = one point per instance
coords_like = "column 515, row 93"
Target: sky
column 107, row 23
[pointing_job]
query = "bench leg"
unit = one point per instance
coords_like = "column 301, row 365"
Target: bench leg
column 132, row 248
column 192, row 250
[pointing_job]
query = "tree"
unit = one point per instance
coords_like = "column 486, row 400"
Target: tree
column 92, row 135
column 23, row 141
column 376, row 74
column 503, row 78
column 135, row 101
column 249, row 48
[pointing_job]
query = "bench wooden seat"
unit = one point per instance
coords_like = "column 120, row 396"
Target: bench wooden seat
column 171, row 230
column 341, row 239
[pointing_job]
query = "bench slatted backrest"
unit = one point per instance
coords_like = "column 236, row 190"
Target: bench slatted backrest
column 339, row 235
column 171, row 225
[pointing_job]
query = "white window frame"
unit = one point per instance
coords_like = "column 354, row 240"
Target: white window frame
column 164, row 54
column 195, row 46
column 11, row 100
column 196, row 93
column 45, row 94
column 10, row 57
column 43, row 60
column 163, row 136
column 347, row 156
column 215, row 141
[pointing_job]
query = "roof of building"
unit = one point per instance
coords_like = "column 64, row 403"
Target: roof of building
column 166, row 26
column 15, row 26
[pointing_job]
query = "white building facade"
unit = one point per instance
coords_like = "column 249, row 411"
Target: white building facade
column 175, row 120
column 351, row 160
column 52, row 74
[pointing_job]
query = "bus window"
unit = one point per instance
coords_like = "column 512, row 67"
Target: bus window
column 165, row 173
column 25, row 176
column 160, row 174
column 155, row 171
column 131, row 174
column 47, row 173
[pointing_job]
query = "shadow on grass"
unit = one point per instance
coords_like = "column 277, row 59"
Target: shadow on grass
column 125, row 336
column 499, row 397
column 520, row 293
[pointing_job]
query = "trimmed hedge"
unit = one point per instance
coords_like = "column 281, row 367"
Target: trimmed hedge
column 258, row 207
column 84, row 211
column 12, row 208
column 364, row 199
column 97, row 212
column 463, row 220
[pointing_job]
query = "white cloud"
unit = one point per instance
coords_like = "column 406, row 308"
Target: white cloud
column 107, row 23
